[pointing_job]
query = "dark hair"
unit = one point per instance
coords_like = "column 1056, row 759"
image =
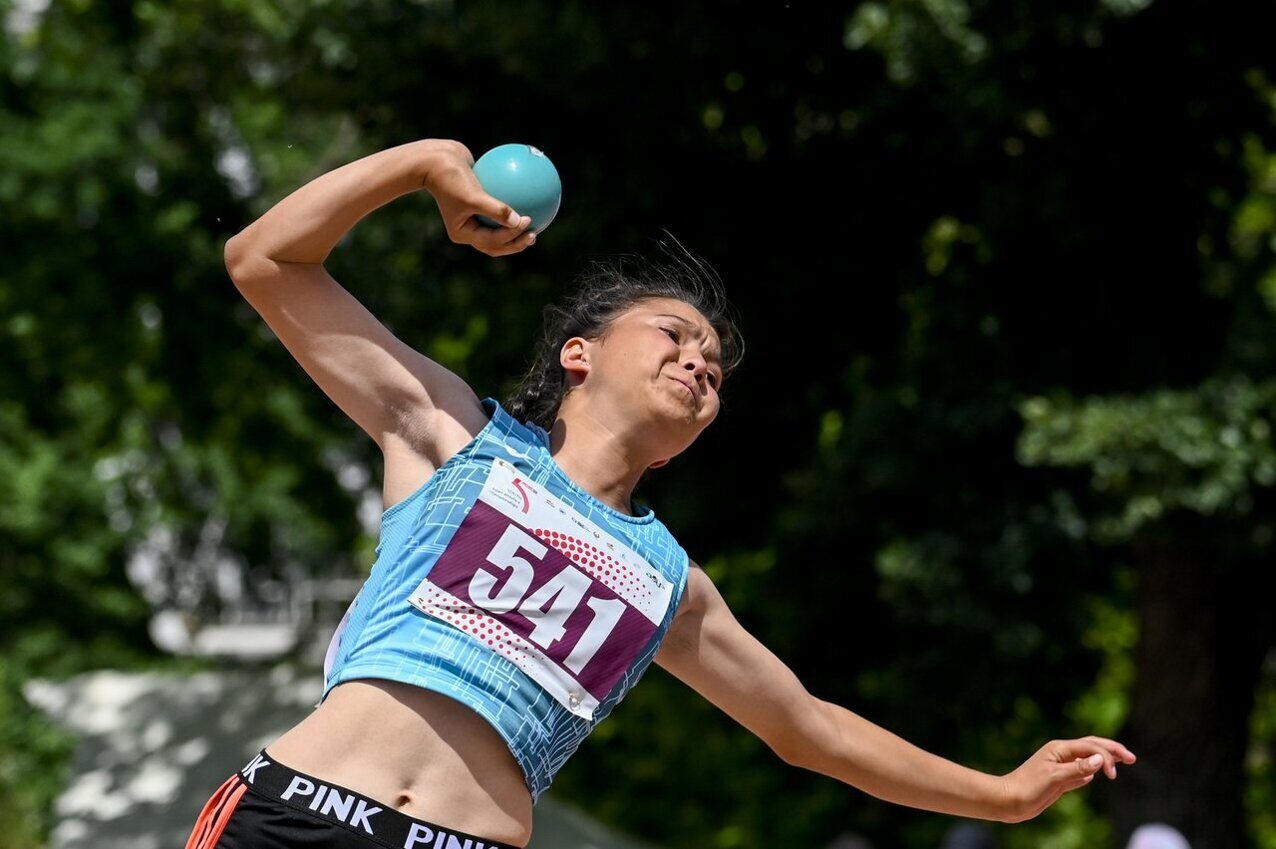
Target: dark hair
column 605, row 290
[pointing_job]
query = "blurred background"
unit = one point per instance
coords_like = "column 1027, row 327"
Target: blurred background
column 998, row 467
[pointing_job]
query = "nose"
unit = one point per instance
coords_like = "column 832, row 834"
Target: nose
column 698, row 367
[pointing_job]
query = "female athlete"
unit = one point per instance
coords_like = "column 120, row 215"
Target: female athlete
column 517, row 593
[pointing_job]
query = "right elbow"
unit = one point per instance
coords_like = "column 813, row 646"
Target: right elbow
column 238, row 257
column 232, row 254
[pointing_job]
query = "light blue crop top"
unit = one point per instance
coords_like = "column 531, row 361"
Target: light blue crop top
column 503, row 584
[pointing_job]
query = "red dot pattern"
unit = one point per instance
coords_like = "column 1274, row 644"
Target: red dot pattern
column 480, row 624
column 604, row 568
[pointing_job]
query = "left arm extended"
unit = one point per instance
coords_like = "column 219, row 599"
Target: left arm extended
column 707, row 649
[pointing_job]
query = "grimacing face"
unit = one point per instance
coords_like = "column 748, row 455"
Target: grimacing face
column 660, row 361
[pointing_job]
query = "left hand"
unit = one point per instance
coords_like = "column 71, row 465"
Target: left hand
column 1056, row 768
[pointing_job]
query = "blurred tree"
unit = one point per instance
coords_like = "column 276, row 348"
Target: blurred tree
column 1184, row 478
column 1162, row 236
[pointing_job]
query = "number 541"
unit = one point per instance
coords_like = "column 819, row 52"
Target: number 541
column 553, row 603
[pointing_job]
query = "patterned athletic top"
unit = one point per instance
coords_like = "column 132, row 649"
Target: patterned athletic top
column 503, row 584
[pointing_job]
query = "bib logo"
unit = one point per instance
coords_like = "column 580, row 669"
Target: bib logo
column 527, row 502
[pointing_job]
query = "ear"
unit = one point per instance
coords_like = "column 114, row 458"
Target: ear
column 658, row 464
column 574, row 358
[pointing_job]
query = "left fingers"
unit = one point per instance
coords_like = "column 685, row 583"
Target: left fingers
column 1109, row 750
column 1112, row 751
column 1118, row 750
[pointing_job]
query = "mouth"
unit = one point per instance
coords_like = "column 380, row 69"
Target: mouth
column 687, row 387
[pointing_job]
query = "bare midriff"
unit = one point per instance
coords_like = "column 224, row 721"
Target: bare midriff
column 418, row 751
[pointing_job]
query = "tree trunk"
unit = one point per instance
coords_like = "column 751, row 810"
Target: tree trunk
column 1205, row 627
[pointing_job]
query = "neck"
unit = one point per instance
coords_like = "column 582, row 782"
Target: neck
column 597, row 458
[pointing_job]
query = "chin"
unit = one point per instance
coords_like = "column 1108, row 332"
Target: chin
column 674, row 409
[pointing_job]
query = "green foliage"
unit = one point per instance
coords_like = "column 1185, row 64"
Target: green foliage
column 1113, row 632
column 914, row 33
column 1260, row 796
column 1203, row 450
column 33, row 757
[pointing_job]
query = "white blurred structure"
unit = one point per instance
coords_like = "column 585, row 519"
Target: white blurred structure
column 207, row 599
column 1157, row 836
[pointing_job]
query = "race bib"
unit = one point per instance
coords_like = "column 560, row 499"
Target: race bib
column 559, row 596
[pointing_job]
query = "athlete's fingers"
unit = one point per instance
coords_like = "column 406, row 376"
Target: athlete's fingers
column 518, row 245
column 1107, row 762
column 1119, row 751
column 498, row 211
column 1087, row 766
column 498, row 237
column 1109, row 750
column 512, row 234
column 1113, row 752
column 1064, row 778
column 1066, row 750
column 491, row 240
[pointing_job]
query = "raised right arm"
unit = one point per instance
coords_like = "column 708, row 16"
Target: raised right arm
column 401, row 398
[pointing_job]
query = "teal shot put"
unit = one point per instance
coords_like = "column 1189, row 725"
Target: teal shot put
column 523, row 177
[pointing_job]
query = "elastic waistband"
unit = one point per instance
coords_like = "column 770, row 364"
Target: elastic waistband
column 369, row 817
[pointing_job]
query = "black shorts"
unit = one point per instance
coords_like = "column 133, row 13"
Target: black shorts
column 267, row 805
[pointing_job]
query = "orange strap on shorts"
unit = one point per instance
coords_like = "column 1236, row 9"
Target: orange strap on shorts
column 212, row 820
